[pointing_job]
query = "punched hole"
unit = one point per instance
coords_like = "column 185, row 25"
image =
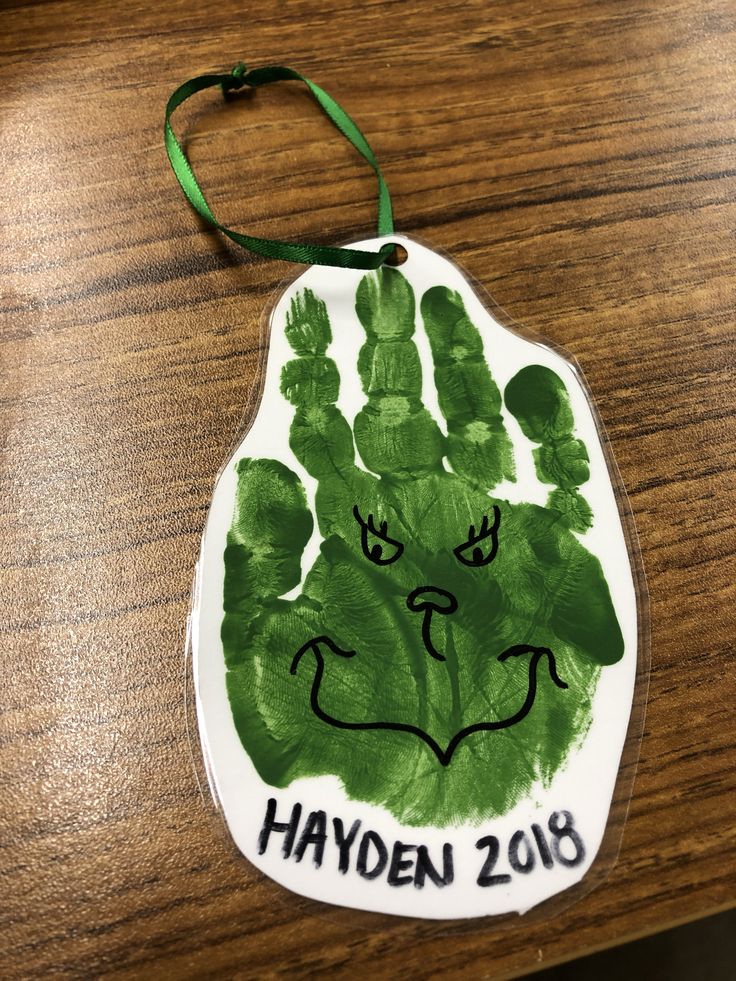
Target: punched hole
column 398, row 257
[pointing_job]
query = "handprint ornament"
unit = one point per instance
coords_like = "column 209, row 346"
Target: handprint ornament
column 415, row 628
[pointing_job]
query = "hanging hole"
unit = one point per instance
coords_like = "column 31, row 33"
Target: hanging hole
column 398, row 257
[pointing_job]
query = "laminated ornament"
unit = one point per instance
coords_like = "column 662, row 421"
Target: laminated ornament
column 417, row 617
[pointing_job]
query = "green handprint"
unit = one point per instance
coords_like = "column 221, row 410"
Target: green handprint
column 444, row 650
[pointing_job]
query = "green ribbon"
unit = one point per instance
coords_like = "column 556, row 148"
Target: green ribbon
column 293, row 251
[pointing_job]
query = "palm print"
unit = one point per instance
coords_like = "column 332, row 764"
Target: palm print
column 444, row 650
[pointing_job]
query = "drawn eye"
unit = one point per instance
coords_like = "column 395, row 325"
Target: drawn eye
column 481, row 546
column 376, row 543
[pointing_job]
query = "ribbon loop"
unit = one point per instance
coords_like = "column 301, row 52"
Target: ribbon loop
column 322, row 255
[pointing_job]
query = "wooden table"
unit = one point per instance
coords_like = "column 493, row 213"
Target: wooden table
column 578, row 159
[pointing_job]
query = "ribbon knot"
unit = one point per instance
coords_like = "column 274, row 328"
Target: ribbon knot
column 236, row 79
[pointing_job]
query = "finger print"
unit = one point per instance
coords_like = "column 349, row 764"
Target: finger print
column 478, row 446
column 394, row 432
column 538, row 399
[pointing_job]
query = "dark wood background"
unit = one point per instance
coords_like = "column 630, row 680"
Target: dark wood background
column 578, row 159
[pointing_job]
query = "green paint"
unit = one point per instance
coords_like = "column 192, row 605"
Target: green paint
column 539, row 400
column 542, row 588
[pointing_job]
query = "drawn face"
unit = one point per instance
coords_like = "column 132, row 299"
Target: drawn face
column 441, row 633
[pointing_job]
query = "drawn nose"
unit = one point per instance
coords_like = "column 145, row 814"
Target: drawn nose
column 431, row 598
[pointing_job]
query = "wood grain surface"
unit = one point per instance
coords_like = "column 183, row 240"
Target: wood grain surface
column 577, row 158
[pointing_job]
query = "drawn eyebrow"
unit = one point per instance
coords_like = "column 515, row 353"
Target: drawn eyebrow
column 380, row 532
column 486, row 530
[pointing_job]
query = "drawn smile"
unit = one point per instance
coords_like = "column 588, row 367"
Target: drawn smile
column 443, row 755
